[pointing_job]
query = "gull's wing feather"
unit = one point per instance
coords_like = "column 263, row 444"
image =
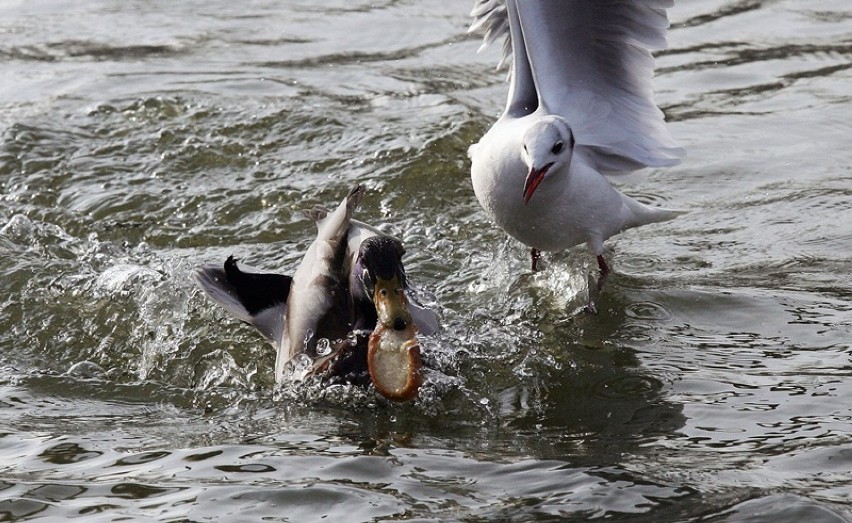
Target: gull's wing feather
column 491, row 16
column 500, row 20
column 523, row 96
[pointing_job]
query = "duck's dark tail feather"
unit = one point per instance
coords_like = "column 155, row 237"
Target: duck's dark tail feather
column 259, row 299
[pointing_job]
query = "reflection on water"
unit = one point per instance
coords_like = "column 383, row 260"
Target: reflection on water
column 140, row 140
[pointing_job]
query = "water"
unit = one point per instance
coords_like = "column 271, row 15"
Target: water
column 141, row 139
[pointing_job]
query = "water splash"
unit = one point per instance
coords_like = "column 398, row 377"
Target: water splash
column 323, row 347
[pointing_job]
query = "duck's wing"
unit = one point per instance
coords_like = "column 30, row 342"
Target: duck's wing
column 423, row 317
column 318, row 305
column 259, row 299
column 590, row 62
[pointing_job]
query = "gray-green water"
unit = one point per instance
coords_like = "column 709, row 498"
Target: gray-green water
column 139, row 139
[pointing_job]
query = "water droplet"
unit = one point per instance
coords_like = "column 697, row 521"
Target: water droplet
column 352, row 338
column 323, row 347
column 87, row 369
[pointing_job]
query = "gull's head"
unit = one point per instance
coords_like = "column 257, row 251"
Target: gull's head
column 548, row 146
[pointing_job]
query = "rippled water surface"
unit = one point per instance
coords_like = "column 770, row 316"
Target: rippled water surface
column 140, row 139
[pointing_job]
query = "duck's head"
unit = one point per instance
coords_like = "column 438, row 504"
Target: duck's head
column 393, row 355
column 548, row 146
column 379, row 271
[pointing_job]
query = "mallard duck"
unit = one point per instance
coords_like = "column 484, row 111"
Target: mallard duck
column 351, row 284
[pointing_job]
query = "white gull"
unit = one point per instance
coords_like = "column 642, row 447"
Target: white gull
column 580, row 108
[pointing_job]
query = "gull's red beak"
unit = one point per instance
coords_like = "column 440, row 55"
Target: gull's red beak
column 533, row 179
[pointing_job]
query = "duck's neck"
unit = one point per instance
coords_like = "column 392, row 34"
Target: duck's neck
column 365, row 316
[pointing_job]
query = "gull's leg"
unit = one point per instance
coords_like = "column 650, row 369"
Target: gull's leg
column 604, row 268
column 591, row 308
column 535, row 255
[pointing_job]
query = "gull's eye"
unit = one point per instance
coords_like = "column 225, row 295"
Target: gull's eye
column 557, row 147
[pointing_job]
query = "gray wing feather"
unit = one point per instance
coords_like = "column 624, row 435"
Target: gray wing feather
column 491, row 17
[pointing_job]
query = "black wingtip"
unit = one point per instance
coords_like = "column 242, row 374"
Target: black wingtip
column 353, row 199
column 255, row 291
column 232, row 271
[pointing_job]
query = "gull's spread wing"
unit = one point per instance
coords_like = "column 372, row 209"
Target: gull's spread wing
column 590, row 62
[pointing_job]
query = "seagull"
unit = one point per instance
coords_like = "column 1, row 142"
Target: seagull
column 350, row 281
column 580, row 108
